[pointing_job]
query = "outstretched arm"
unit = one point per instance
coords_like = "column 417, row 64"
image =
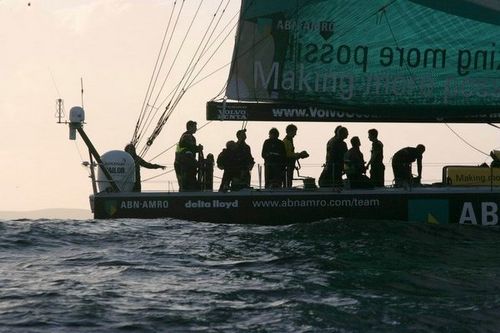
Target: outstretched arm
column 148, row 165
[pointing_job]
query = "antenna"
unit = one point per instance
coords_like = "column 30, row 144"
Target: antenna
column 81, row 84
column 60, row 110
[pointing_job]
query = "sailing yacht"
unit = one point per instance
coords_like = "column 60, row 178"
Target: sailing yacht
column 397, row 61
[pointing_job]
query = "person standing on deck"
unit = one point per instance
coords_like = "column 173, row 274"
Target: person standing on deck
column 376, row 165
column 186, row 164
column 274, row 155
column 291, row 156
column 334, row 165
column 243, row 160
column 401, row 165
column 139, row 162
column 226, row 162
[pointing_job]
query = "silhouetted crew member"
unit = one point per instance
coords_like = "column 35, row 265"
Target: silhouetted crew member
column 291, row 156
column 495, row 155
column 186, row 164
column 354, row 165
column 376, row 165
column 326, row 176
column 334, row 166
column 206, row 173
column 244, row 162
column 401, row 165
column 274, row 155
column 226, row 161
column 139, row 162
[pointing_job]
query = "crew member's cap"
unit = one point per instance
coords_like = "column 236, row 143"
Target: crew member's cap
column 191, row 122
column 240, row 132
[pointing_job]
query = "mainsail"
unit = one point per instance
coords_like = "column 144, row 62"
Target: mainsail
column 377, row 60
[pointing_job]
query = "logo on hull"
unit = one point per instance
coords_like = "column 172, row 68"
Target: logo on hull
column 429, row 211
column 212, row 204
column 487, row 214
column 146, row 204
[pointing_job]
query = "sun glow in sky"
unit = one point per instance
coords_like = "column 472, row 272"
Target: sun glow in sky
column 49, row 45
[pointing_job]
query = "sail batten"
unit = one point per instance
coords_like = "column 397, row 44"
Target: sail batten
column 404, row 61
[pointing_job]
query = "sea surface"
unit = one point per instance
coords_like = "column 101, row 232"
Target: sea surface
column 170, row 275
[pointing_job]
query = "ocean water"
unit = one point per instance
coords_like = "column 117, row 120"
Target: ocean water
column 169, row 275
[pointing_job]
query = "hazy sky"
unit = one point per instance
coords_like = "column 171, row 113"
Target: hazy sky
column 49, row 45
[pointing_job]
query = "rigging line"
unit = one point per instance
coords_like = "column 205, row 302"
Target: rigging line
column 166, row 115
column 204, row 51
column 493, row 125
column 197, row 82
column 195, row 59
column 161, row 122
column 151, row 113
column 464, row 141
column 161, row 174
column 144, row 103
column 412, row 77
column 175, row 102
column 209, row 75
column 54, row 82
column 151, row 118
column 151, row 137
column 220, row 45
column 208, row 45
column 191, row 84
column 223, row 30
column 224, row 86
column 80, row 154
column 210, row 41
column 150, row 121
column 355, row 26
column 154, row 111
column 164, row 57
column 178, row 51
column 190, row 68
column 154, row 134
column 155, row 71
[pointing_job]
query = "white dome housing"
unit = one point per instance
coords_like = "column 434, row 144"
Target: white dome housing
column 121, row 166
column 76, row 115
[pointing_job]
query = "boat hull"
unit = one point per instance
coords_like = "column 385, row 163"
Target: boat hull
column 430, row 205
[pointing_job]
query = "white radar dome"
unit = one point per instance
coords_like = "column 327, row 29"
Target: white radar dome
column 121, row 166
column 76, row 115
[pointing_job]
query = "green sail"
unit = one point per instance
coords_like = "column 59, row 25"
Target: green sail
column 400, row 61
